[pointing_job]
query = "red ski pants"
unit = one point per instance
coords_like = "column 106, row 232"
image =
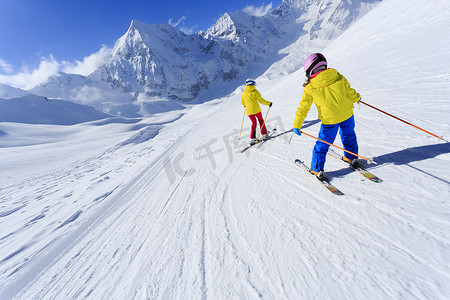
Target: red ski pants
column 254, row 124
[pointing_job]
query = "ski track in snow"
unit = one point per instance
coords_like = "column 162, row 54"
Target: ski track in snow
column 369, row 228
column 188, row 240
column 170, row 210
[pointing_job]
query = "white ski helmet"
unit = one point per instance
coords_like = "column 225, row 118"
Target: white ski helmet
column 250, row 81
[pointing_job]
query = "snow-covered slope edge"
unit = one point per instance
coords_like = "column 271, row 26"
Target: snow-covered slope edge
column 8, row 92
column 184, row 216
column 34, row 109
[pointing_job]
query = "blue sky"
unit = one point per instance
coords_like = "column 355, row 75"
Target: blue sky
column 64, row 33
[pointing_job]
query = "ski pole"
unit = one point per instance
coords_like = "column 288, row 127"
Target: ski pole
column 369, row 160
column 290, row 139
column 263, row 124
column 240, row 132
column 439, row 137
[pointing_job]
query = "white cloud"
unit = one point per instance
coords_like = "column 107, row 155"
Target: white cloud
column 89, row 64
column 5, row 67
column 180, row 20
column 258, row 11
column 187, row 30
column 87, row 95
column 27, row 79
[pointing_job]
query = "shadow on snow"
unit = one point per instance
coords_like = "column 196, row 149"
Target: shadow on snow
column 405, row 157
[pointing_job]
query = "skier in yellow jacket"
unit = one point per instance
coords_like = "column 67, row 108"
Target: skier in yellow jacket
column 334, row 99
column 250, row 100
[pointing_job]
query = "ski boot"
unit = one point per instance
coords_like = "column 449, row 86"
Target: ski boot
column 354, row 163
column 319, row 175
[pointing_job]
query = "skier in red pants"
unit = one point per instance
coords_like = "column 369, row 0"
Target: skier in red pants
column 250, row 98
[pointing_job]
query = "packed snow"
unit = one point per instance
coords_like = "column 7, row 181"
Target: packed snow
column 165, row 207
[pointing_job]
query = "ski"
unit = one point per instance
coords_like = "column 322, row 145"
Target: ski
column 360, row 169
column 269, row 136
column 325, row 183
column 259, row 142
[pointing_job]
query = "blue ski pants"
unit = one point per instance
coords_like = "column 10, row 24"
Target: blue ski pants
column 328, row 133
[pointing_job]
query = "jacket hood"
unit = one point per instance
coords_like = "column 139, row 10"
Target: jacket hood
column 250, row 88
column 324, row 78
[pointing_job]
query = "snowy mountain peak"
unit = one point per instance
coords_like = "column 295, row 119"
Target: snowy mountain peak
column 323, row 19
column 139, row 25
column 161, row 61
column 224, row 28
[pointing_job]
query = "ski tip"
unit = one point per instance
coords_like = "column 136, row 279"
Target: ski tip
column 375, row 179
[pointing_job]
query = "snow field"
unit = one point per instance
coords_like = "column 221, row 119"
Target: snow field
column 167, row 208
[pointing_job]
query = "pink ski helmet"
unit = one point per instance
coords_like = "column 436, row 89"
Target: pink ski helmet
column 314, row 61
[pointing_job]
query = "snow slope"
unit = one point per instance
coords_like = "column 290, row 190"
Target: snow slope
column 40, row 110
column 8, row 92
column 165, row 207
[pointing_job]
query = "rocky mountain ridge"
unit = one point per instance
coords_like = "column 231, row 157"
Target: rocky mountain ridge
column 159, row 62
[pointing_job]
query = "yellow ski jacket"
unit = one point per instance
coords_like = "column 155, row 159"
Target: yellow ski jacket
column 250, row 98
column 332, row 95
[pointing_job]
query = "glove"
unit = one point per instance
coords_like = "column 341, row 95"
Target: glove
column 297, row 131
column 270, row 105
